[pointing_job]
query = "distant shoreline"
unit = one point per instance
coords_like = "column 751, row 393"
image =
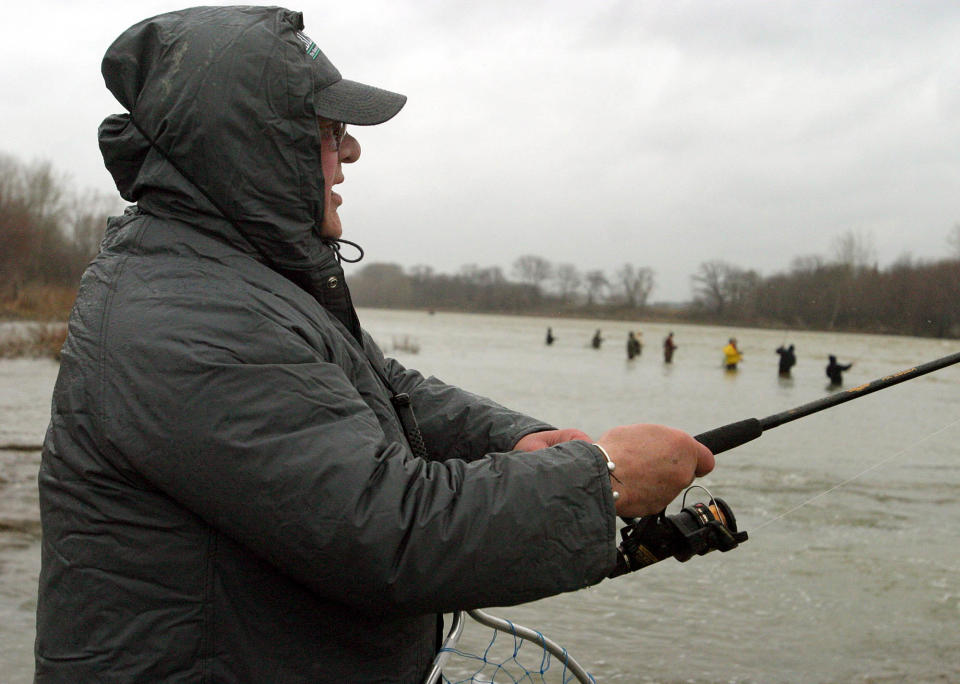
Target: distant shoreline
column 50, row 305
column 655, row 316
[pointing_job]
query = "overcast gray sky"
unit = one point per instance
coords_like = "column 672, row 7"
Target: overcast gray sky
column 663, row 134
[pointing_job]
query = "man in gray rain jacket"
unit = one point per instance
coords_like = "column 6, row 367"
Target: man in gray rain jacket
column 232, row 487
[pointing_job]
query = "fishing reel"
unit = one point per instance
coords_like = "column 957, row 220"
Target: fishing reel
column 695, row 530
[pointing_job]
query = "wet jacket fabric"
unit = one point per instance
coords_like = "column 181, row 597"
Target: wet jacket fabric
column 227, row 494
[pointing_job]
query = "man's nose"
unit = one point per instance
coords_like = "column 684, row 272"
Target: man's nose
column 349, row 149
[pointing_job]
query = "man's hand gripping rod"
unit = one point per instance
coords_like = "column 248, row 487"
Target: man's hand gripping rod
column 701, row 528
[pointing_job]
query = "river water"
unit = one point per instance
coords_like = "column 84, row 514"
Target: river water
column 852, row 570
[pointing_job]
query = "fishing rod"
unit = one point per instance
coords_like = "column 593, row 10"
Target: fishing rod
column 733, row 435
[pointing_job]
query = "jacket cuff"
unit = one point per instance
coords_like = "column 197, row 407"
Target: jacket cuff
column 606, row 494
column 521, row 432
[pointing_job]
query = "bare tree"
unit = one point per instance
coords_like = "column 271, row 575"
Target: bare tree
column 636, row 284
column 46, row 190
column 382, row 284
column 35, row 246
column 855, row 249
column 708, row 285
column 741, row 287
column 723, row 288
column 596, row 283
column 17, row 240
column 809, row 263
column 483, row 277
column 421, row 272
column 17, row 243
column 532, row 269
column 87, row 218
column 568, row 281
column 953, row 239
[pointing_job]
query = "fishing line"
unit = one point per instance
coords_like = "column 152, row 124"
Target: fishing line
column 858, row 475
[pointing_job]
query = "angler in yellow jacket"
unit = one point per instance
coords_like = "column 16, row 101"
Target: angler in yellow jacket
column 731, row 355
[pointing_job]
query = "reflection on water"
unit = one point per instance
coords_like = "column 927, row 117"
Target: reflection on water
column 852, row 571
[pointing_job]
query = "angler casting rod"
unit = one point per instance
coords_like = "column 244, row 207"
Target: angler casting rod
column 734, row 434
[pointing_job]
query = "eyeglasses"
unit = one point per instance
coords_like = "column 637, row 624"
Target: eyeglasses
column 334, row 131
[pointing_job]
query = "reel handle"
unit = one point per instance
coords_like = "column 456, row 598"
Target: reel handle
column 695, row 530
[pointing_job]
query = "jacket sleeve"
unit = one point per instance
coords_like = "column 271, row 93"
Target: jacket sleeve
column 456, row 423
column 288, row 460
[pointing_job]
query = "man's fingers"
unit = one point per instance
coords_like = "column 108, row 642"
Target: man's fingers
column 705, row 463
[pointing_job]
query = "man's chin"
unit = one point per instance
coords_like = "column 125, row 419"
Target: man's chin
column 331, row 228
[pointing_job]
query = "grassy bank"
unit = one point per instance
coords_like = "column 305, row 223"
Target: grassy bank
column 43, row 311
column 47, row 303
column 34, row 340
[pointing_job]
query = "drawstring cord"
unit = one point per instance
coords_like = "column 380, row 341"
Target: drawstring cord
column 334, row 244
column 402, row 405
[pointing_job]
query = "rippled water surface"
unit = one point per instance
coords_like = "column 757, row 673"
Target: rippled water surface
column 852, row 570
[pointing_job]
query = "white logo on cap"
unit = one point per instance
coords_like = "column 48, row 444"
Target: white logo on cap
column 313, row 50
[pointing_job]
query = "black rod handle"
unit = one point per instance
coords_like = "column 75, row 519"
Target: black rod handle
column 729, row 436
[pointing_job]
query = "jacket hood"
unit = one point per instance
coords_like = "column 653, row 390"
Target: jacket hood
column 221, row 122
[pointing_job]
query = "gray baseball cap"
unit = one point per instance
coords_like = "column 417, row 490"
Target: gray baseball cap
column 349, row 101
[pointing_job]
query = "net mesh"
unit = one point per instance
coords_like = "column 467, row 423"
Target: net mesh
column 507, row 659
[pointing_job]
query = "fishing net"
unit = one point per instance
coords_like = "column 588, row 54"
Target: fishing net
column 518, row 655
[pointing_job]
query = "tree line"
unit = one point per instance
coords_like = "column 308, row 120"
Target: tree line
column 49, row 232
column 536, row 286
column 847, row 291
